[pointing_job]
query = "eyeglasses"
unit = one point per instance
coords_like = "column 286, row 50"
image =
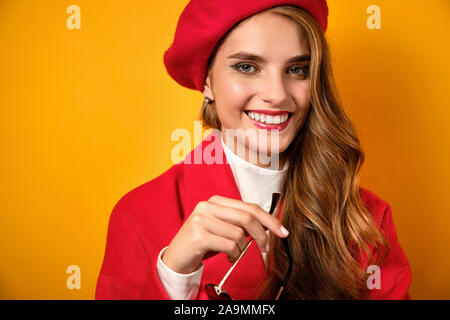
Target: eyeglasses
column 216, row 292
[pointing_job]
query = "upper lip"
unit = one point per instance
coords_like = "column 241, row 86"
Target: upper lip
column 269, row 112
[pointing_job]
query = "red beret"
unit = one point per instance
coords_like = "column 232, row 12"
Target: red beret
column 203, row 23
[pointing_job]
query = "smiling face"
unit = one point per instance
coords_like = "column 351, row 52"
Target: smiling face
column 259, row 80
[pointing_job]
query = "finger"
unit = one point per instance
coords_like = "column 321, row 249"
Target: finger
column 265, row 218
column 242, row 219
column 225, row 230
column 220, row 244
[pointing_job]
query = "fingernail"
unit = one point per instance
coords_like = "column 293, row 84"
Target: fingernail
column 267, row 247
column 284, row 231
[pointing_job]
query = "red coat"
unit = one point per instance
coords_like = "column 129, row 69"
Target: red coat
column 147, row 218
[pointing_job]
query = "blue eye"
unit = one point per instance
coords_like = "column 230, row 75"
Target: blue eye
column 304, row 69
column 246, row 68
column 239, row 67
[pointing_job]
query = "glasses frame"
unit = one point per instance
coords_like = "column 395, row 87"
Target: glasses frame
column 216, row 292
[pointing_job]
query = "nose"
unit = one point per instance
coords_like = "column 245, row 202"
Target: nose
column 274, row 89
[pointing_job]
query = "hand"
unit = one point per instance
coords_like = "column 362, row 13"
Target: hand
column 219, row 225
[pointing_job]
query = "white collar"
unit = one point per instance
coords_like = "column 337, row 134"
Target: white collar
column 256, row 184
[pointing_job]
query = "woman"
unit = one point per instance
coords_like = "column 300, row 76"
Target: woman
column 264, row 67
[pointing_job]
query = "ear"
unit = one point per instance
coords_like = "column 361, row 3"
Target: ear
column 207, row 91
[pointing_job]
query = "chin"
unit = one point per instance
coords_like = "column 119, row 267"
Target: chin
column 267, row 150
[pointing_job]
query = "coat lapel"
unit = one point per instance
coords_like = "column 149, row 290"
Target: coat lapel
column 201, row 181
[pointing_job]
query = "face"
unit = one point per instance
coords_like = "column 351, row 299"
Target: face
column 259, row 80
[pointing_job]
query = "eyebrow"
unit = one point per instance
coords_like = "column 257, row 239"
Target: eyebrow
column 253, row 57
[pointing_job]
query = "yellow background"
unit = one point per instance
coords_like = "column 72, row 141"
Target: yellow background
column 87, row 115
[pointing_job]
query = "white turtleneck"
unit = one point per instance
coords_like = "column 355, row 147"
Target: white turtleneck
column 256, row 185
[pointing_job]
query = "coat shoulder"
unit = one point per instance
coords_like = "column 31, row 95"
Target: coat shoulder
column 376, row 205
column 160, row 192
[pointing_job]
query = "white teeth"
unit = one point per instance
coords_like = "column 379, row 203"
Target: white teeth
column 276, row 120
column 263, row 118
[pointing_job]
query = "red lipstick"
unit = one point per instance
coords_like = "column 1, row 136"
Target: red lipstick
column 269, row 112
column 266, row 126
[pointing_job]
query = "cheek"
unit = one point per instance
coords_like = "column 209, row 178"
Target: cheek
column 233, row 92
column 303, row 97
column 303, row 104
column 231, row 99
